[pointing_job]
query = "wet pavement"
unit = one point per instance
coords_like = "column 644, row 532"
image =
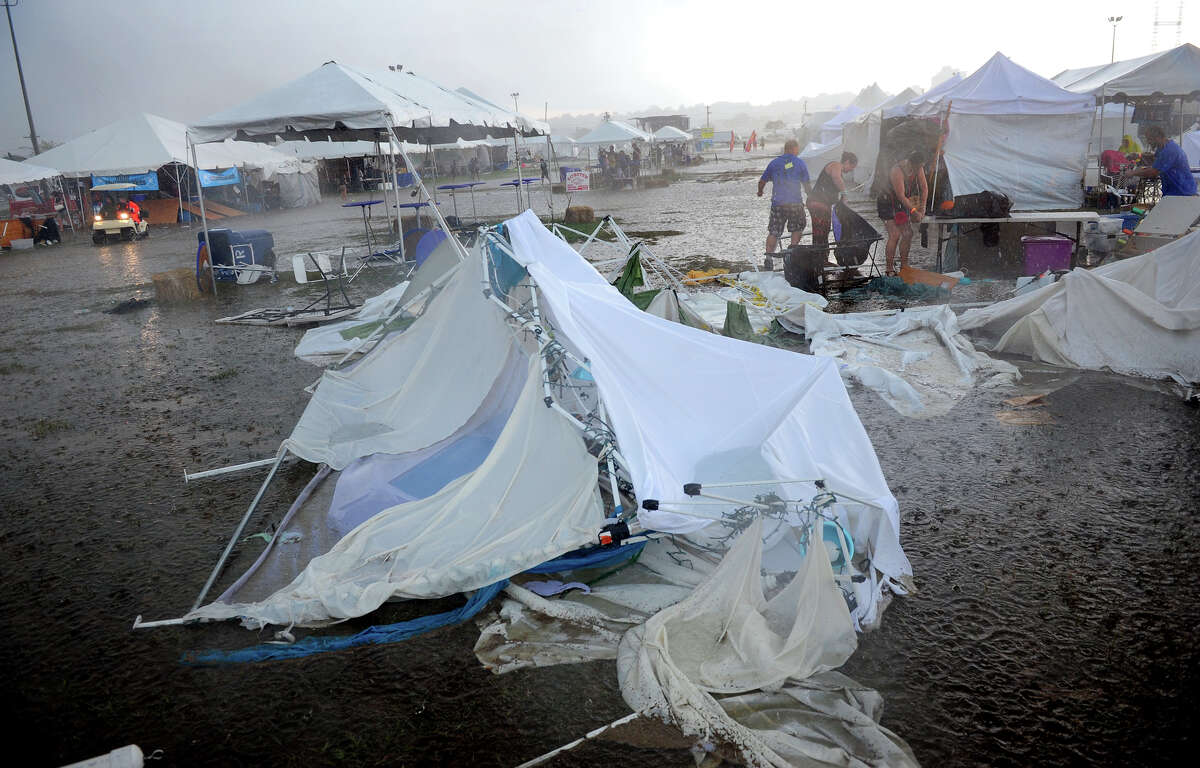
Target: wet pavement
column 1056, row 621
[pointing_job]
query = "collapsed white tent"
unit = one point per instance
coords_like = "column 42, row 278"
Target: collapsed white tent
column 1140, row 316
column 659, row 382
column 1015, row 132
column 13, row 172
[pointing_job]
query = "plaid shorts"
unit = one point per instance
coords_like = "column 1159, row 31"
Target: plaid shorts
column 791, row 214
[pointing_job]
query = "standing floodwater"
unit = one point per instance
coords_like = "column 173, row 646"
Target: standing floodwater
column 1056, row 562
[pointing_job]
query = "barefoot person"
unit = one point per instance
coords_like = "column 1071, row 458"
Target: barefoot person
column 788, row 175
column 829, row 189
column 902, row 204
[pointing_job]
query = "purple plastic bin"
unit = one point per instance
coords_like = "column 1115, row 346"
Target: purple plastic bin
column 1046, row 252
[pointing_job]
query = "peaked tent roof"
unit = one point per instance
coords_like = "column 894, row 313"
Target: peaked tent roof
column 1002, row 87
column 138, row 144
column 870, row 98
column 527, row 124
column 1168, row 73
column 841, row 118
column 671, row 133
column 12, row 172
column 335, row 97
column 613, row 132
column 903, row 109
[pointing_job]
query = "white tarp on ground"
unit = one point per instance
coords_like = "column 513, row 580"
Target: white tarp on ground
column 766, row 295
column 665, row 614
column 916, row 360
column 1015, row 132
column 1140, row 316
column 533, row 499
column 415, row 388
column 12, row 172
column 325, row 344
column 688, row 406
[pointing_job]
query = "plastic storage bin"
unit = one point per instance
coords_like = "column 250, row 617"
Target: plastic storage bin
column 1045, row 253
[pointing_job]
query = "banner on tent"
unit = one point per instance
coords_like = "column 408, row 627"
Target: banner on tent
column 578, row 181
column 147, row 182
column 219, row 178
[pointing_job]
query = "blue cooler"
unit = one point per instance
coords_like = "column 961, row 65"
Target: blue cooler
column 237, row 249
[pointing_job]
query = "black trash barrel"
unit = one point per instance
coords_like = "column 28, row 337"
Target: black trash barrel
column 803, row 264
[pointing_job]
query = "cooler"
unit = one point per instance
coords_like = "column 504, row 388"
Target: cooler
column 1044, row 253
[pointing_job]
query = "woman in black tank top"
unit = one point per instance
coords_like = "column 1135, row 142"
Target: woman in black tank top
column 830, row 186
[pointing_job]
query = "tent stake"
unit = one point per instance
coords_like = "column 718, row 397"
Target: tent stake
column 238, row 532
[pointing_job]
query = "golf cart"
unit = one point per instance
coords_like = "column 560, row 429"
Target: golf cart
column 115, row 219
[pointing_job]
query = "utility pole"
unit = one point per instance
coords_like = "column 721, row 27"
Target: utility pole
column 1113, row 20
column 8, row 6
column 707, row 116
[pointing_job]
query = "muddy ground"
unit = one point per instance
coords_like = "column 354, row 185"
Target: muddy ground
column 1056, row 622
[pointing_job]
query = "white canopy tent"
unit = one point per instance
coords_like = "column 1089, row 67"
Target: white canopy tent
column 831, row 130
column 613, row 132
column 338, row 100
column 669, row 133
column 1013, row 131
column 13, row 172
column 1166, row 74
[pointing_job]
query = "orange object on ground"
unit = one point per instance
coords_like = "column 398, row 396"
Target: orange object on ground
column 912, row 276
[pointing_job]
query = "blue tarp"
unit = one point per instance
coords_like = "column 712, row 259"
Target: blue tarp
column 147, row 182
column 219, row 178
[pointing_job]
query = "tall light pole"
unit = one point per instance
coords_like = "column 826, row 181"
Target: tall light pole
column 8, row 6
column 514, row 97
column 1113, row 20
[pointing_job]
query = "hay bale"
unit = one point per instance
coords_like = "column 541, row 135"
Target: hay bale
column 176, row 285
column 652, row 182
column 580, row 214
column 558, row 189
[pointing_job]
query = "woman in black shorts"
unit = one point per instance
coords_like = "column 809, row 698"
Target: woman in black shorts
column 901, row 204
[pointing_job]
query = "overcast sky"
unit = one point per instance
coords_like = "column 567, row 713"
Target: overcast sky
column 89, row 62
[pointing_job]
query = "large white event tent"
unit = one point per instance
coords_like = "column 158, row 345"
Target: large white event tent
column 910, row 107
column 1014, row 131
column 13, row 172
column 335, row 100
column 669, row 133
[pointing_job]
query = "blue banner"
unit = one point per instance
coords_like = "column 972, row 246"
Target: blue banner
column 146, row 182
column 219, row 178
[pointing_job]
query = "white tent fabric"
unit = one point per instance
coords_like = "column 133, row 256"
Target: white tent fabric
column 916, row 360
column 325, row 344
column 933, row 95
column 862, row 136
column 832, row 129
column 396, row 400
column 142, row 143
column 534, row 498
column 671, row 133
column 337, row 94
column 1140, row 316
column 1167, row 73
column 817, row 156
column 12, row 172
column 613, row 132
column 750, row 412
column 1002, row 87
column 1191, row 147
column 1015, row 132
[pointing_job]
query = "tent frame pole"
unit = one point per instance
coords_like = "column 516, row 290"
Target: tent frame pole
column 1100, row 140
column 395, row 187
column 437, row 214
column 216, row 571
column 212, row 270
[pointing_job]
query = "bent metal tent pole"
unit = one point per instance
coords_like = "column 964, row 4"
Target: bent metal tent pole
column 212, row 272
column 216, row 571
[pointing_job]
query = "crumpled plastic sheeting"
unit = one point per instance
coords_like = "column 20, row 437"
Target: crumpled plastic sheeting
column 688, row 627
column 917, row 360
column 326, row 344
column 1139, row 317
column 766, row 295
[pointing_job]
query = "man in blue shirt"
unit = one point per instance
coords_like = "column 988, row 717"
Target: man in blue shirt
column 1170, row 165
column 787, row 174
